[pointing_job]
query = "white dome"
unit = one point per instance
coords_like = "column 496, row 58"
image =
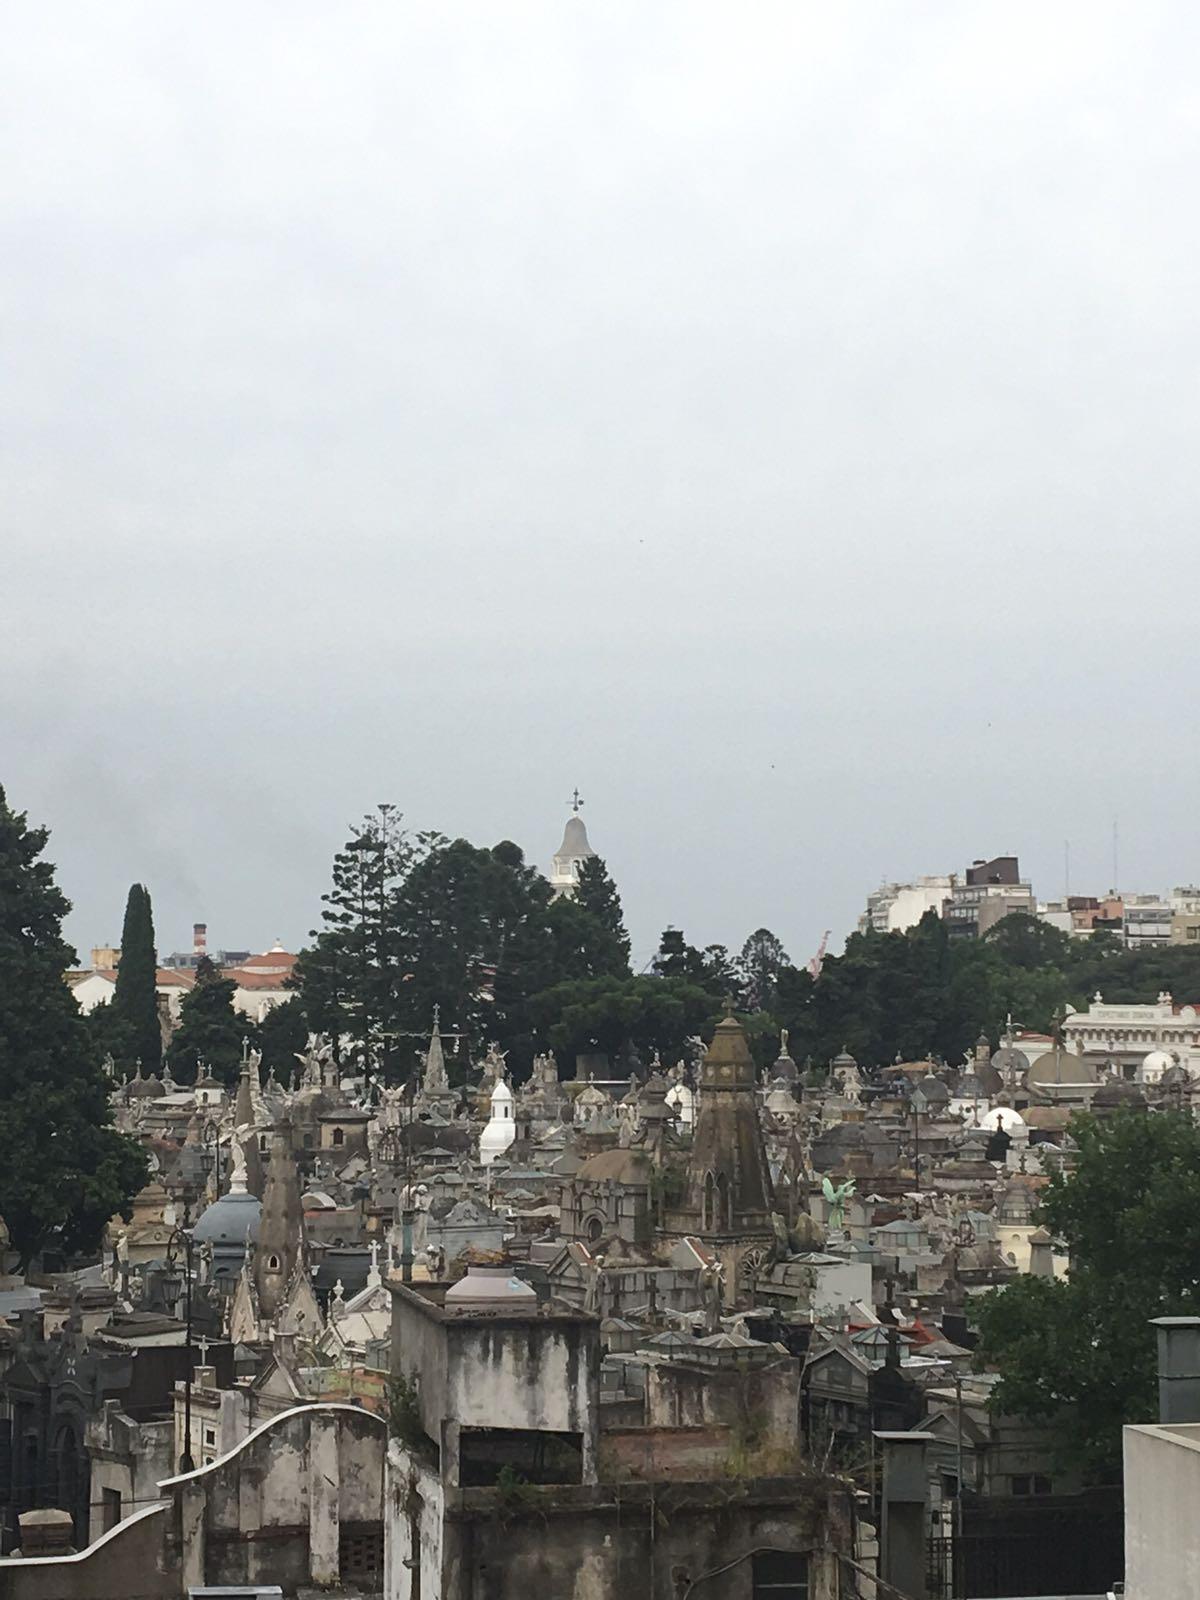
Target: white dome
column 1155, row 1063
column 1001, row 1117
column 501, row 1093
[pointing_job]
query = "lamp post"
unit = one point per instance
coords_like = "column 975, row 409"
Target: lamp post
column 181, row 1241
column 212, row 1140
column 919, row 1103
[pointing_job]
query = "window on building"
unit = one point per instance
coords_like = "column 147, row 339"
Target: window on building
column 1024, row 1483
column 272, row 1263
column 779, row 1575
column 339, row 1136
column 707, row 1209
column 360, row 1551
column 210, row 1436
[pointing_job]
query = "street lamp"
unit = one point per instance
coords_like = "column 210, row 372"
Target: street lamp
column 212, row 1141
column 181, row 1242
column 919, row 1103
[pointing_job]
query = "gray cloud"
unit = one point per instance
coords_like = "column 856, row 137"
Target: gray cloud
column 778, row 420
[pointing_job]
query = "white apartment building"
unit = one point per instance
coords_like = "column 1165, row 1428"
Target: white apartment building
column 895, row 907
column 1147, row 922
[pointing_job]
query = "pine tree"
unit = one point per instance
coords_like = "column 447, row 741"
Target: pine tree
column 64, row 1170
column 597, row 894
column 760, row 964
column 351, row 978
column 281, row 1036
column 210, row 1032
column 135, row 1003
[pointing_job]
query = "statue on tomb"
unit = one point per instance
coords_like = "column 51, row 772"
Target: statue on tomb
column 595, row 1284
column 803, row 1236
column 836, row 1198
column 712, row 1283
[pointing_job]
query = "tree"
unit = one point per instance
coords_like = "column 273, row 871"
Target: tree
column 760, row 965
column 612, row 1014
column 596, row 894
column 210, row 1032
column 64, row 1170
column 582, row 947
column 711, row 969
column 477, row 938
column 135, row 1003
column 1025, row 941
column 282, row 1035
column 1077, row 1353
column 352, row 976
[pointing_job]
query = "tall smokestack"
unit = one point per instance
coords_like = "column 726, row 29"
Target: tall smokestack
column 199, row 939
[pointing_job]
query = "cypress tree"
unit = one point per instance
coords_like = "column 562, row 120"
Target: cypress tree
column 135, row 1004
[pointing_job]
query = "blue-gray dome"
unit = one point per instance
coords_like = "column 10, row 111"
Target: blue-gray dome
column 226, row 1221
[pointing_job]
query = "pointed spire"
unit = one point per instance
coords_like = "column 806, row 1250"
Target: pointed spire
column 281, row 1231
column 434, row 1079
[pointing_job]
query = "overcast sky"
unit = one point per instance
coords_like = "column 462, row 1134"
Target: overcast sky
column 778, row 420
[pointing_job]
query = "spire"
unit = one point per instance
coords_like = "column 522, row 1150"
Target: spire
column 435, row 1080
column 281, row 1232
column 729, row 1182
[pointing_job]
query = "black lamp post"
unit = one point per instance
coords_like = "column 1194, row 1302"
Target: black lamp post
column 179, row 1242
column 212, row 1141
column 919, row 1105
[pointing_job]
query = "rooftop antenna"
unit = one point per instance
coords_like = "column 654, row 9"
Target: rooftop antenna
column 1067, row 869
column 1116, row 879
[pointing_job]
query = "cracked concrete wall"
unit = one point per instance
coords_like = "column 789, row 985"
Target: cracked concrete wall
column 596, row 1545
column 413, row 1541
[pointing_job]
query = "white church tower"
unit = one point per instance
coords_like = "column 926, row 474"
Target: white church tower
column 500, row 1129
column 571, row 854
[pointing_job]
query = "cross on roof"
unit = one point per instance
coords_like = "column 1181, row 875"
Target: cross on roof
column 576, row 800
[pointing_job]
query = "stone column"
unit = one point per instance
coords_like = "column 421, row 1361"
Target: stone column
column 905, row 1527
column 323, row 1497
column 191, row 1498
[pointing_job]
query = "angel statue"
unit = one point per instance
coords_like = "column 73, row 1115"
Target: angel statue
column 836, row 1200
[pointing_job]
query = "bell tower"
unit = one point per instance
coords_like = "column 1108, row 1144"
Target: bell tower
column 571, row 853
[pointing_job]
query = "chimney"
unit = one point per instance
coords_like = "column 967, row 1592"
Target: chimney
column 199, row 939
column 1178, row 1368
column 1041, row 1254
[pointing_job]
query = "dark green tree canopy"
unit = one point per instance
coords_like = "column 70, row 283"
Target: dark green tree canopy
column 415, row 921
column 64, row 1170
column 135, row 1003
column 352, row 976
column 210, row 1032
column 596, row 894
column 760, row 966
column 1078, row 1352
column 282, row 1035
